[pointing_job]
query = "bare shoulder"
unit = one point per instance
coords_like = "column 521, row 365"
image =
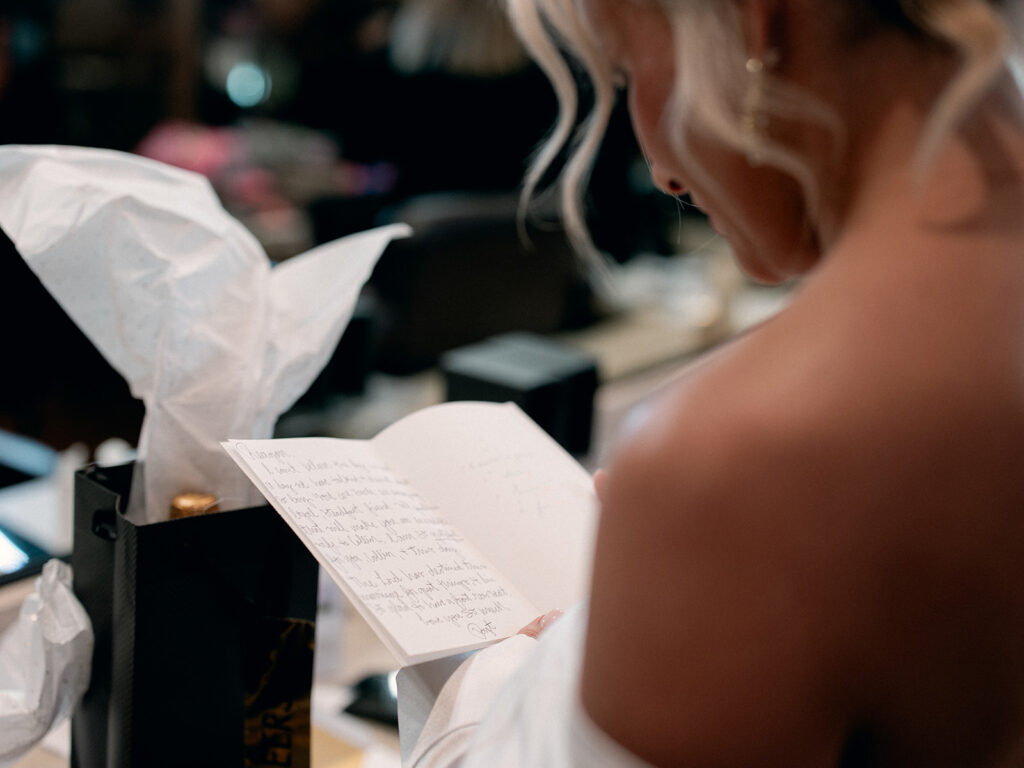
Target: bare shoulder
column 705, row 581
column 778, row 538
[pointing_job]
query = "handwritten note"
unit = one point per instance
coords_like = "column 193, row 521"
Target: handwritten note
column 434, row 527
column 411, row 570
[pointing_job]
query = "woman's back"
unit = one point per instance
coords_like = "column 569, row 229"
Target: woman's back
column 835, row 505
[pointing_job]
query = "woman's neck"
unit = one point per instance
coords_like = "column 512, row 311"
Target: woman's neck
column 974, row 183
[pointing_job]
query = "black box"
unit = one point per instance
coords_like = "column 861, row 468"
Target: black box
column 204, row 635
column 553, row 383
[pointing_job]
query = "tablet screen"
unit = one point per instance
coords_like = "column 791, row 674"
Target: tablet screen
column 12, row 557
column 19, row 558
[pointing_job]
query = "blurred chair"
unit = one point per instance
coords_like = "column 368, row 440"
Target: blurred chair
column 466, row 275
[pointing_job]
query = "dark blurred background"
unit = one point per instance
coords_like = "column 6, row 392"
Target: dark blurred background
column 313, row 119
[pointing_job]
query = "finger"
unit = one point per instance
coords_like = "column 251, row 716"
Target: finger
column 600, row 483
column 532, row 629
column 550, row 618
column 538, row 625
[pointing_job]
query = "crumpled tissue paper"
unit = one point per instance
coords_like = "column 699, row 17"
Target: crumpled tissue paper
column 45, row 661
column 182, row 300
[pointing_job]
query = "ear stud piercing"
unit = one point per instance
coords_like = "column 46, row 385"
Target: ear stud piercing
column 753, row 119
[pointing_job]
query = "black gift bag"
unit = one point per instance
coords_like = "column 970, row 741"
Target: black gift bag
column 204, row 635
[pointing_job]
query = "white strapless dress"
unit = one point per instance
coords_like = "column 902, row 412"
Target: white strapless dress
column 517, row 704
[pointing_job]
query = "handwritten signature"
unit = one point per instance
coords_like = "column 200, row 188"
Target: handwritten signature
column 484, row 631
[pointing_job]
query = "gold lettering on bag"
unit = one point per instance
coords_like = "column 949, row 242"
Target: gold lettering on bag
column 277, row 701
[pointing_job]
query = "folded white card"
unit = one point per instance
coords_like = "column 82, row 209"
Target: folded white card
column 452, row 528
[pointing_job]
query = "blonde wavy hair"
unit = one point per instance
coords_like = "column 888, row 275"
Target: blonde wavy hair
column 710, row 83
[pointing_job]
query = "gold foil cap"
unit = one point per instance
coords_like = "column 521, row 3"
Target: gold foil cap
column 190, row 504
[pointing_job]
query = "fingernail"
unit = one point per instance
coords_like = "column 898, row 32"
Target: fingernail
column 549, row 617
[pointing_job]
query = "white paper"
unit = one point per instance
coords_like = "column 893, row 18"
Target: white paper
column 181, row 299
column 453, row 528
column 508, row 487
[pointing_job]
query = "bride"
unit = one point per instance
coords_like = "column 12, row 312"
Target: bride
column 811, row 554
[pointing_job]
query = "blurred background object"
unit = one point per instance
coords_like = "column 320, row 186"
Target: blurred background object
column 29, row 102
column 461, row 37
column 313, row 119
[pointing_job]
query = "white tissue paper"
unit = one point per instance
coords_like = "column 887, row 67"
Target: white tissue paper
column 181, row 299
column 44, row 662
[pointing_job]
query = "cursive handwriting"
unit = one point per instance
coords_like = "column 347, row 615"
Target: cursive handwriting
column 388, row 544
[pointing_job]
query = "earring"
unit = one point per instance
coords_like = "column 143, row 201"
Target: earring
column 753, row 120
column 675, row 187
